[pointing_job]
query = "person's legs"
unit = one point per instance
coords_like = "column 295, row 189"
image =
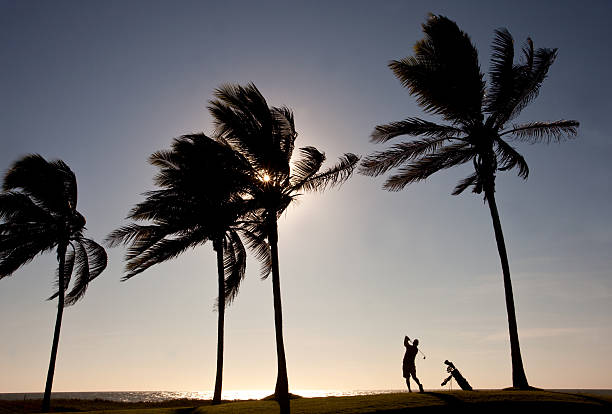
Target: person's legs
column 408, row 383
column 416, row 380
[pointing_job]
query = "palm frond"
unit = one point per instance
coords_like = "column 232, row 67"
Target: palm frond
column 520, row 85
column 20, row 244
column 165, row 206
column 333, row 176
column 69, row 180
column 542, row 61
column 255, row 241
column 81, row 273
column 382, row 161
column 51, row 185
column 420, row 169
column 134, row 232
column 307, row 165
column 263, row 134
column 413, row 127
column 285, row 130
column 18, row 208
column 142, row 256
column 234, row 265
column 543, row 131
column 465, row 183
column 509, row 158
column 91, row 260
column 163, row 159
column 231, row 124
column 444, row 74
column 139, row 246
column 98, row 259
column 201, row 165
column 502, row 86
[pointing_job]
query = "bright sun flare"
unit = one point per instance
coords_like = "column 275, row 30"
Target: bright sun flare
column 266, row 178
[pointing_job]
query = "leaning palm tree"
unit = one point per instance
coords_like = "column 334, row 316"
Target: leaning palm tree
column 265, row 137
column 38, row 214
column 445, row 77
column 201, row 181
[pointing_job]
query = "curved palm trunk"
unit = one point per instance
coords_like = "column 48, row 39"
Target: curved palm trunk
column 519, row 380
column 282, row 382
column 58, row 324
column 218, row 246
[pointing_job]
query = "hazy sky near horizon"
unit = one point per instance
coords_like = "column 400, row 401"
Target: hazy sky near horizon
column 103, row 84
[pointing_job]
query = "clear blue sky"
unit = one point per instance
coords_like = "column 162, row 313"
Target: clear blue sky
column 103, row 84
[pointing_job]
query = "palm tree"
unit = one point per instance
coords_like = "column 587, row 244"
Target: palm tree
column 265, row 137
column 38, row 214
column 201, row 181
column 445, row 77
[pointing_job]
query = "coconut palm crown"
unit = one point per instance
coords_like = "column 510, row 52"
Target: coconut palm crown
column 265, row 136
column 199, row 200
column 444, row 76
column 38, row 214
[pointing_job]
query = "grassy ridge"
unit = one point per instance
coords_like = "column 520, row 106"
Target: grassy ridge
column 429, row 402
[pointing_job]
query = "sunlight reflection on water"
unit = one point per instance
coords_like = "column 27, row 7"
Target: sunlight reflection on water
column 155, row 396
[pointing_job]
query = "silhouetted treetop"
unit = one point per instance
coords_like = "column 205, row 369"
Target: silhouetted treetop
column 444, row 76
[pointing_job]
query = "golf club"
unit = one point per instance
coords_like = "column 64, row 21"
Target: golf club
column 417, row 348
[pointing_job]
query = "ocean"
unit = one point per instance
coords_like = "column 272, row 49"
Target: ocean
column 156, row 396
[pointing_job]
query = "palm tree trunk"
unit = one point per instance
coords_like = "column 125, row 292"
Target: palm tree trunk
column 519, row 380
column 282, row 382
column 61, row 253
column 218, row 245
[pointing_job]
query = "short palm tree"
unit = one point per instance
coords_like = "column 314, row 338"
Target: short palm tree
column 445, row 77
column 265, row 137
column 199, row 200
column 38, row 214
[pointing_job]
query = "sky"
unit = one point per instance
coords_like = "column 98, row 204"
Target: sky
column 103, row 84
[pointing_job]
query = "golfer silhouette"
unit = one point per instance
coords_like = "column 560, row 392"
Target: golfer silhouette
column 408, row 365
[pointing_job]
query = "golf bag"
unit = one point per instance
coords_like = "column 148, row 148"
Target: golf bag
column 454, row 373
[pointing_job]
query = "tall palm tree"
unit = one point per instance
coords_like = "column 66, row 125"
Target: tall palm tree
column 265, row 137
column 199, row 200
column 38, row 214
column 445, row 78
